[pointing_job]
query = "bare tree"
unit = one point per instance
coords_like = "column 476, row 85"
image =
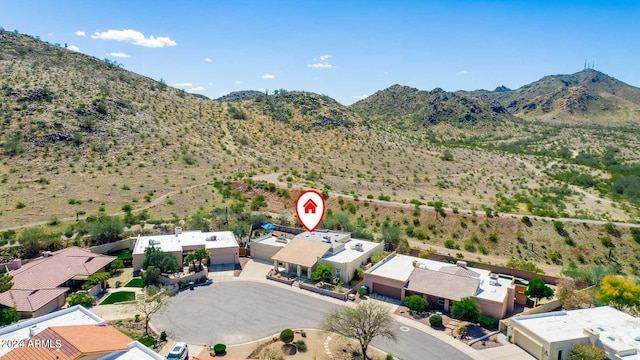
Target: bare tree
column 363, row 323
column 150, row 304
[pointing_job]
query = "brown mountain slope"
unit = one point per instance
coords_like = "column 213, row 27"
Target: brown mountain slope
column 413, row 106
column 588, row 95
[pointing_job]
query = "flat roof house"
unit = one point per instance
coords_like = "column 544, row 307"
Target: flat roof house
column 40, row 285
column 69, row 334
column 441, row 283
column 221, row 245
column 551, row 336
column 303, row 252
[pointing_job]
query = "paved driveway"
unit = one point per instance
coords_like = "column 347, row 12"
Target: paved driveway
column 237, row 312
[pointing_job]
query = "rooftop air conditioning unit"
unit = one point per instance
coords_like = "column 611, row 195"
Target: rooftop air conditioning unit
column 461, row 263
column 178, row 230
column 46, row 253
column 415, row 263
column 359, row 246
column 212, row 238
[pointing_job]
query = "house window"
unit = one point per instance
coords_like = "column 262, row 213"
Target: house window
column 441, row 301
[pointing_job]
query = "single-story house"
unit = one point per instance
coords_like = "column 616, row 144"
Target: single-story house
column 74, row 333
column 551, row 336
column 302, row 253
column 441, row 284
column 222, row 246
column 39, row 286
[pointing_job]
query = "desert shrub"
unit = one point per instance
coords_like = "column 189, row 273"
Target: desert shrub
column 435, row 320
column 416, row 303
column 635, row 233
column 163, row 336
column 80, row 298
column 220, row 349
column 301, row 345
column 286, row 336
column 389, row 357
column 148, row 341
column 487, row 322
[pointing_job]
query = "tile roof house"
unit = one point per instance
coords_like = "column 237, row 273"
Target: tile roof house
column 70, row 334
column 39, row 286
column 303, row 252
column 441, row 284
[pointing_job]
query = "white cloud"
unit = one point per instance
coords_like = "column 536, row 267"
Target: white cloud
column 197, row 88
column 186, row 84
column 134, row 37
column 207, row 59
column 322, row 65
column 268, row 76
column 80, row 33
column 359, row 97
column 463, row 72
column 119, row 54
column 73, row 48
column 324, row 57
column 237, row 82
column 261, row 89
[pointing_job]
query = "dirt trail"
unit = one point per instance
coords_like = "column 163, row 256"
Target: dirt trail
column 273, row 178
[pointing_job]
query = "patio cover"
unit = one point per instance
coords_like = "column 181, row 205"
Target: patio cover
column 302, row 252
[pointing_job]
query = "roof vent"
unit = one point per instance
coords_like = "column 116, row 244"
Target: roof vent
column 33, row 330
column 282, row 240
column 462, row 264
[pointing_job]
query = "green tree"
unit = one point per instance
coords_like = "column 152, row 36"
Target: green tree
column 466, row 309
column 8, row 315
column 150, row 275
column 95, row 279
column 364, row 322
column 199, row 255
column 618, row 292
column 258, row 202
column 587, row 352
column 106, row 229
column 80, row 298
column 164, row 261
column 416, row 303
column 286, row 336
column 390, row 234
column 116, row 265
column 323, row 272
column 31, row 240
column 537, row 290
column 6, row 282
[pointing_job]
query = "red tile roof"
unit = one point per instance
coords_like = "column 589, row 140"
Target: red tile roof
column 70, row 343
column 59, row 267
column 30, row 300
column 38, row 282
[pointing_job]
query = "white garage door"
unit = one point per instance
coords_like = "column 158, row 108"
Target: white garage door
column 223, row 256
column 528, row 345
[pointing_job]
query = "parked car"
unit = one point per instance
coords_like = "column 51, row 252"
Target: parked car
column 180, row 351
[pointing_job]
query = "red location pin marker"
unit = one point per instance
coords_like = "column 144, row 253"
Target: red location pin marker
column 310, row 209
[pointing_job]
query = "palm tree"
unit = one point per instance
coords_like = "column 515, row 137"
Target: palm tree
column 191, row 258
column 201, row 254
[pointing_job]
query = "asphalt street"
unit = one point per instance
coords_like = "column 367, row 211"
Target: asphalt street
column 238, row 312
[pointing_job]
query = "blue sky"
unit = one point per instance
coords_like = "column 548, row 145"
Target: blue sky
column 344, row 49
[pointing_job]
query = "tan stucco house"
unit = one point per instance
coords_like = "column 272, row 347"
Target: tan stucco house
column 221, row 245
column 441, row 284
column 302, row 253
